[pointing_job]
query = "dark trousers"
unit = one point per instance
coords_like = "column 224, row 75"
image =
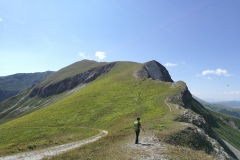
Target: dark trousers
column 137, row 135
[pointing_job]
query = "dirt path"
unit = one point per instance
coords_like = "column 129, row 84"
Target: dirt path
column 170, row 109
column 37, row 155
column 168, row 105
column 149, row 148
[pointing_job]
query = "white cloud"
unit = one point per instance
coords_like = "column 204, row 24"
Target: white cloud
column 233, row 92
column 220, row 72
column 100, row 55
column 168, row 64
column 1, row 19
column 82, row 54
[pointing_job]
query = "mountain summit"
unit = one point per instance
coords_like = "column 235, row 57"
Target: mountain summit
column 154, row 70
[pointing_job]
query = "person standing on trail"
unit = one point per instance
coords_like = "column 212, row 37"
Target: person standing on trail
column 137, row 126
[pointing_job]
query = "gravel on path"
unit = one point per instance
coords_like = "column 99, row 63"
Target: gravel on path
column 52, row 151
column 148, row 149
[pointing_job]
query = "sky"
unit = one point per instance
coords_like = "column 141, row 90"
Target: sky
column 197, row 41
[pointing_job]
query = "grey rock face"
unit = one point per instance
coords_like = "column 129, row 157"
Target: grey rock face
column 181, row 98
column 142, row 73
column 196, row 138
column 202, row 132
column 189, row 116
column 154, row 70
column 190, row 136
column 70, row 83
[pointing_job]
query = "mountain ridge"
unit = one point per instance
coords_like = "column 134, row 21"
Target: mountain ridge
column 70, row 83
column 113, row 99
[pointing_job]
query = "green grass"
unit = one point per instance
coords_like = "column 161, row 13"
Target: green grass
column 185, row 153
column 112, row 102
column 19, row 139
column 225, row 131
column 114, row 146
column 21, row 105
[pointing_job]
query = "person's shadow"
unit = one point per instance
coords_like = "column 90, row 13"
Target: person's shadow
column 145, row 144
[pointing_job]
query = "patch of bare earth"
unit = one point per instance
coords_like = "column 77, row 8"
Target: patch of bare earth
column 149, row 148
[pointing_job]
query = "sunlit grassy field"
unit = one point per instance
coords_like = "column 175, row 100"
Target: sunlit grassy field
column 112, row 103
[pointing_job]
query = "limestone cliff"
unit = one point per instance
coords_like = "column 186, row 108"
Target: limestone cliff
column 154, row 70
column 183, row 97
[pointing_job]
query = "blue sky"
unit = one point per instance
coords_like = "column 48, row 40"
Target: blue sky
column 197, row 41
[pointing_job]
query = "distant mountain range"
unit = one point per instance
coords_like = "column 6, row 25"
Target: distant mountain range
column 16, row 83
column 231, row 108
column 233, row 104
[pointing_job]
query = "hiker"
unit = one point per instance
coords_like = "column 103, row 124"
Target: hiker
column 137, row 126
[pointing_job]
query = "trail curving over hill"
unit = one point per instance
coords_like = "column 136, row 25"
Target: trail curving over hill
column 48, row 152
column 168, row 105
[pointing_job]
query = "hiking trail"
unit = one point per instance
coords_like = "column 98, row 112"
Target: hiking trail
column 52, row 151
column 149, row 148
column 168, row 105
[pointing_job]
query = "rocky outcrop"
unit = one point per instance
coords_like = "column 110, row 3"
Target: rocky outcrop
column 192, row 137
column 198, row 134
column 70, row 83
column 154, row 70
column 183, row 97
column 191, row 117
column 195, row 138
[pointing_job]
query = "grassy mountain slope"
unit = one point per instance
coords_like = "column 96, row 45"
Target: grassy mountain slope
column 220, row 123
column 111, row 102
column 22, row 104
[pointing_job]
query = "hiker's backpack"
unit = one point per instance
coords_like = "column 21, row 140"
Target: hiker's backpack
column 136, row 125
